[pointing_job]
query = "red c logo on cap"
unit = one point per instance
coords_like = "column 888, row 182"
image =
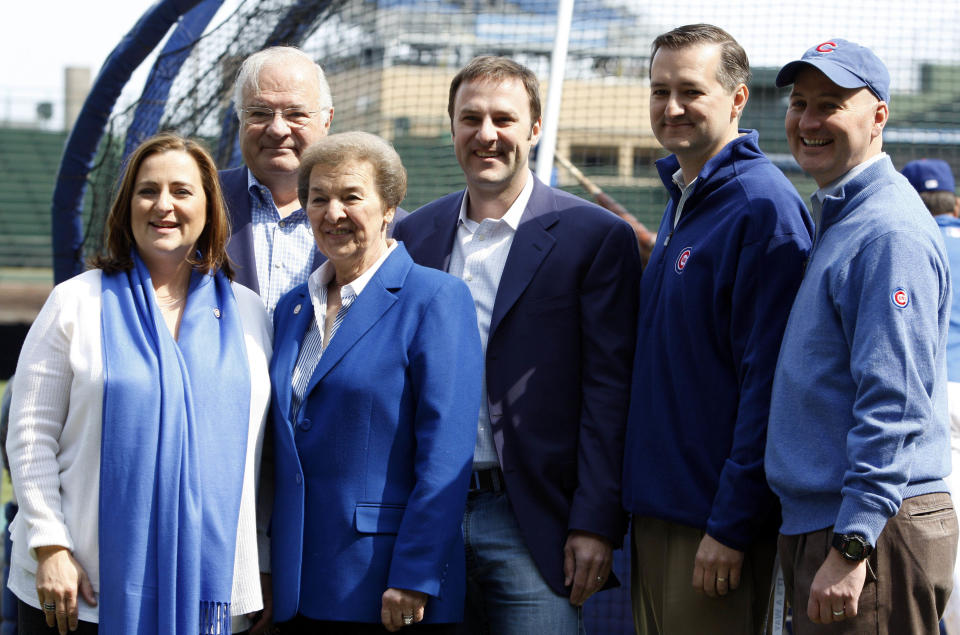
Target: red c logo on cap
column 826, row 47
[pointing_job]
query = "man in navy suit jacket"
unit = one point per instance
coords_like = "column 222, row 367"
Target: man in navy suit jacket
column 555, row 282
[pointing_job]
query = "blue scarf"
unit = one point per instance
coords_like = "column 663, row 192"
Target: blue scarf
column 175, row 424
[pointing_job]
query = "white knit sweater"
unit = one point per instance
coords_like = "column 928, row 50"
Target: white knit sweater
column 54, row 439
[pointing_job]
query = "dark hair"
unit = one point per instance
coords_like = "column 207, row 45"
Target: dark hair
column 212, row 243
column 343, row 147
column 939, row 201
column 734, row 66
column 497, row 69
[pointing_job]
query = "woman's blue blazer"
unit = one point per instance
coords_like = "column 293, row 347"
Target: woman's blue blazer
column 372, row 472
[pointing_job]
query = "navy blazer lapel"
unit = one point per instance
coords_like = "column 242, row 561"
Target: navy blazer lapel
column 240, row 246
column 375, row 299
column 531, row 244
column 439, row 243
column 294, row 324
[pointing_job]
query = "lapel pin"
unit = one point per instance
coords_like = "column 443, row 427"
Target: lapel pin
column 296, row 309
column 216, row 313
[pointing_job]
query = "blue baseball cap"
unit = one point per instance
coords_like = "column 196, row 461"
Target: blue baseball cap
column 929, row 175
column 846, row 64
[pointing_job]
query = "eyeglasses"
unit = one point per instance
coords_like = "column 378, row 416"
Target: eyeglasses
column 294, row 117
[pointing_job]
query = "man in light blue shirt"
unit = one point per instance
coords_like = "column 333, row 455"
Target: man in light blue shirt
column 933, row 180
column 284, row 105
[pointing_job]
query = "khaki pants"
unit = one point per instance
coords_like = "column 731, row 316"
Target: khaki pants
column 909, row 574
column 664, row 600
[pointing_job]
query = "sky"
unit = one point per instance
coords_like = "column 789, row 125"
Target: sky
column 40, row 37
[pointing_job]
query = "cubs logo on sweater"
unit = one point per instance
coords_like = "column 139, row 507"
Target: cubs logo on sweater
column 682, row 259
column 900, row 298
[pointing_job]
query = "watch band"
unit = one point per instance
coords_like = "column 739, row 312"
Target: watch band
column 852, row 547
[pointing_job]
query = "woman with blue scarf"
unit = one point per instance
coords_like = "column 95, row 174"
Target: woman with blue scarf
column 376, row 392
column 137, row 421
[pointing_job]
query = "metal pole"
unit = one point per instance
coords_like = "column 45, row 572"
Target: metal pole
column 551, row 116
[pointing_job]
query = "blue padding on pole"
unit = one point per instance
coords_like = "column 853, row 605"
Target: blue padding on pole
column 81, row 148
column 146, row 118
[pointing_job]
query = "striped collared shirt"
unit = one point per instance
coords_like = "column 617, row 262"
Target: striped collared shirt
column 312, row 347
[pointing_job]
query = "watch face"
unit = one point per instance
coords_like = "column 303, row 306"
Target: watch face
column 854, row 549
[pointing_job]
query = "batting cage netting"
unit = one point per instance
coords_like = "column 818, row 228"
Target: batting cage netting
column 389, row 63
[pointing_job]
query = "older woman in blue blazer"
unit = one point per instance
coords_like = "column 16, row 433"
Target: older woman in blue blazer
column 376, row 389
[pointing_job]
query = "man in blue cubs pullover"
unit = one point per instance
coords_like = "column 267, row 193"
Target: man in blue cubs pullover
column 714, row 299
column 933, row 180
column 858, row 439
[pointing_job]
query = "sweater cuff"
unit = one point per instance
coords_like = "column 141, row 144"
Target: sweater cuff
column 46, row 534
column 859, row 516
column 726, row 537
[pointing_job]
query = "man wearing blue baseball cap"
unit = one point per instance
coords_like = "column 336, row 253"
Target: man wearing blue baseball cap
column 933, row 180
column 858, row 438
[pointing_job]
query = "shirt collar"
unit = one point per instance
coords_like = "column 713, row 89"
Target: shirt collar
column 254, row 184
column 322, row 277
column 678, row 181
column 513, row 214
column 831, row 189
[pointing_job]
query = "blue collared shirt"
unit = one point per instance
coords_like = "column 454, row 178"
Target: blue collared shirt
column 283, row 247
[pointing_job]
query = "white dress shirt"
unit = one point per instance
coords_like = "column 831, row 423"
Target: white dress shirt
column 479, row 254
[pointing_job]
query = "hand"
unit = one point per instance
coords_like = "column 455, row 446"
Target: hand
column 399, row 602
column 587, row 559
column 716, row 568
column 836, row 587
column 263, row 620
column 59, row 578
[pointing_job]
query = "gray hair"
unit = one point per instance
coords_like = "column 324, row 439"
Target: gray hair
column 249, row 75
column 344, row 147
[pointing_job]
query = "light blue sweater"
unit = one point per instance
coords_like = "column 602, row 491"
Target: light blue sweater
column 858, row 415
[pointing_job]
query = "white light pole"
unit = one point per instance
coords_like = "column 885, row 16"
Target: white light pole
column 551, row 115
